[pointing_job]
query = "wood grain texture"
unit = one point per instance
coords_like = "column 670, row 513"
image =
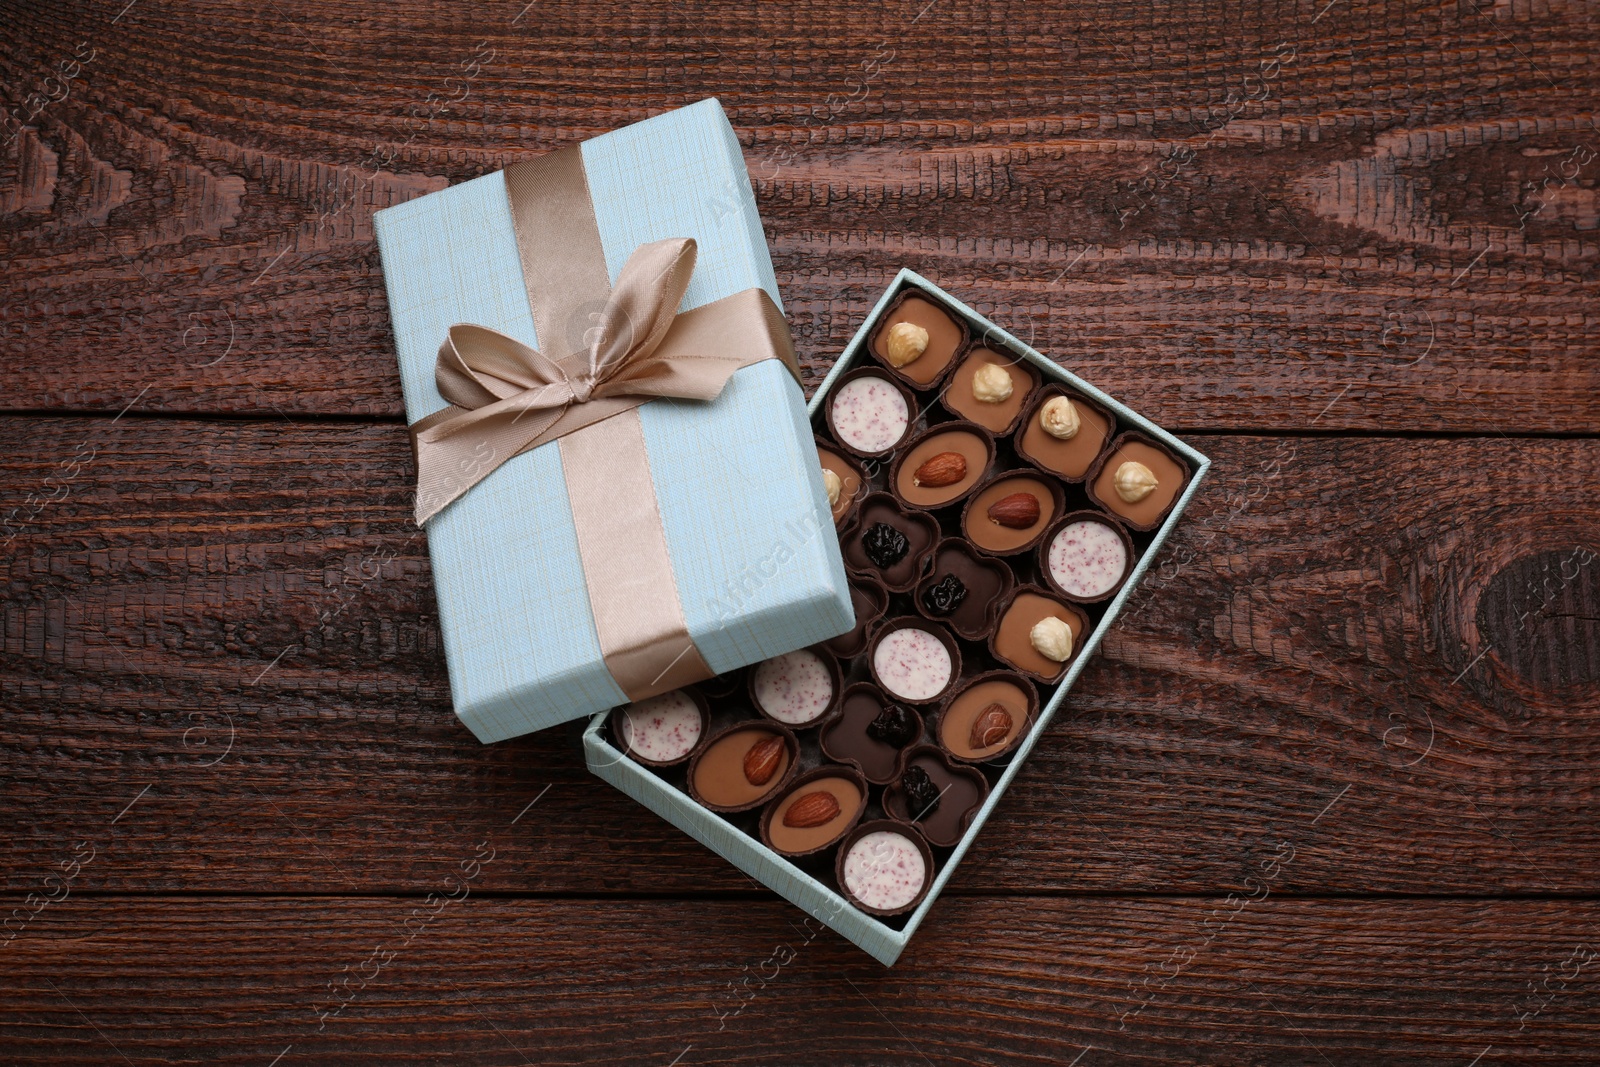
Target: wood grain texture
column 1024, row 981
column 239, row 616
column 1233, row 219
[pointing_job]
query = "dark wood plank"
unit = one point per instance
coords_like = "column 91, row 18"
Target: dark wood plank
column 1385, row 649
column 1280, row 216
column 989, row 981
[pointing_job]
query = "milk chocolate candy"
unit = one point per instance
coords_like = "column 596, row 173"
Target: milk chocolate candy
column 1145, row 512
column 940, row 467
column 1012, row 641
column 1011, row 513
column 852, row 482
column 1070, row 458
column 743, row 766
column 947, row 336
column 982, row 405
column 987, row 717
column 815, row 811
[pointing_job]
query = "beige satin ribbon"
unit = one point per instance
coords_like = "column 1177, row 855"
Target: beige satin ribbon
column 507, row 397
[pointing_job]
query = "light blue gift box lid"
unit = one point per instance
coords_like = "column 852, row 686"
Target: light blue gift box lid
column 737, row 481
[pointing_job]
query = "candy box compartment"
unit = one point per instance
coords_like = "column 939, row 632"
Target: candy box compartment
column 885, row 939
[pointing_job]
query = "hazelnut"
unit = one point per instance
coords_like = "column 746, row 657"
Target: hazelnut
column 1133, row 482
column 1059, row 418
column 1052, row 639
column 831, row 482
column 906, row 342
column 991, row 384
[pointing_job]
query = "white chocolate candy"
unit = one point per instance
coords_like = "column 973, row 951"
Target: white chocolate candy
column 795, row 688
column 1087, row 559
column 912, row 664
column 885, row 870
column 869, row 414
column 662, row 728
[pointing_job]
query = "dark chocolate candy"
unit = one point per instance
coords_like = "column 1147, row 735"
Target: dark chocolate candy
column 987, row 582
column 920, row 530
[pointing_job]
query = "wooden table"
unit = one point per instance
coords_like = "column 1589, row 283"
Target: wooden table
column 1328, row 795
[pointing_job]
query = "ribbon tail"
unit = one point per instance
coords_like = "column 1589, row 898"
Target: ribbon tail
column 449, row 462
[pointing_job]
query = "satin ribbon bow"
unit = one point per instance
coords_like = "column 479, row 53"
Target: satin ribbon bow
column 508, row 397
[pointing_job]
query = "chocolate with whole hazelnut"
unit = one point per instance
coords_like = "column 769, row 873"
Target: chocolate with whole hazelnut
column 1064, row 433
column 917, row 339
column 1038, row 634
column 991, row 389
column 1138, row 481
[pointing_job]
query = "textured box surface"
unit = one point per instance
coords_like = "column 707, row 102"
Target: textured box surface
column 737, row 484
column 880, row 939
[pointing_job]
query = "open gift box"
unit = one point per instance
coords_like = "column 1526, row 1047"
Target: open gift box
column 906, row 526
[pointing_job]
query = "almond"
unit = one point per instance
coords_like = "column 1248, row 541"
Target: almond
column 947, row 468
column 813, row 809
column 990, row 727
column 761, row 762
column 1018, row 511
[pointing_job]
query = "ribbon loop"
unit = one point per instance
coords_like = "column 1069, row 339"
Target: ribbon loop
column 507, row 397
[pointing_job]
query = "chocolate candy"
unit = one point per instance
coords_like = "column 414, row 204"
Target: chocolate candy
column 986, row 583
column 741, row 767
column 1011, row 513
column 914, row 661
column 943, row 465
column 1086, row 556
column 852, row 483
column 817, row 809
column 661, row 731
column 946, row 336
column 919, row 529
column 884, row 867
column 1014, row 642
column 993, row 700
column 869, row 731
column 1140, row 512
column 981, row 404
column 797, row 688
column 959, row 791
column 1070, row 458
column 869, row 413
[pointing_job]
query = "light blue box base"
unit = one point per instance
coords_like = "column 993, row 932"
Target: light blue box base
column 879, row 939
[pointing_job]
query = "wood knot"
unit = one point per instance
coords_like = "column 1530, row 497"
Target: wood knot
column 1540, row 617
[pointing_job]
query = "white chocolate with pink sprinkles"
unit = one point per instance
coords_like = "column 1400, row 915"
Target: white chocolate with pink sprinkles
column 885, row 870
column 663, row 728
column 869, row 414
column 912, row 664
column 1087, row 558
column 795, row 688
